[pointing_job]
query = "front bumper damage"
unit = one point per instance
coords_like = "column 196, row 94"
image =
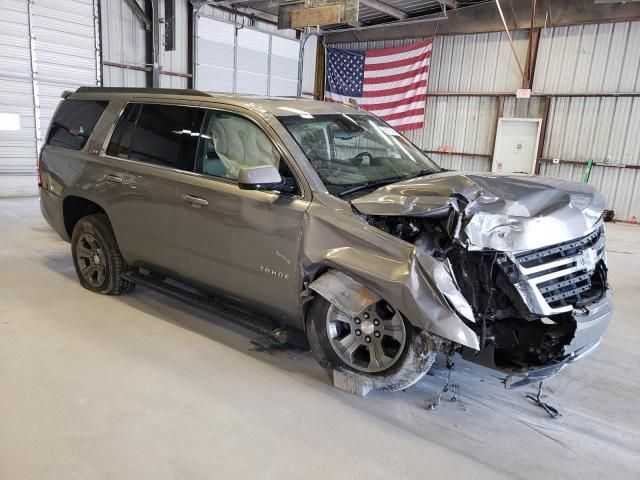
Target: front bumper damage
column 590, row 325
column 478, row 266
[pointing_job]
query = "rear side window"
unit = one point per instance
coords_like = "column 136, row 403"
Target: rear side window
column 121, row 138
column 164, row 135
column 74, row 122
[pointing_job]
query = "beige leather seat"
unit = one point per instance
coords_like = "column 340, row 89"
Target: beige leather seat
column 240, row 143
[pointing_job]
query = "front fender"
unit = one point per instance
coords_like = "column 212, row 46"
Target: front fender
column 416, row 288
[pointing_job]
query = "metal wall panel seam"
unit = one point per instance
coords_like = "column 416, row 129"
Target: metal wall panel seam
column 98, row 37
column 34, row 77
column 269, row 53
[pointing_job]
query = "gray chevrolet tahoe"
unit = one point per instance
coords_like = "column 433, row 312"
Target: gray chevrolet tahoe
column 320, row 218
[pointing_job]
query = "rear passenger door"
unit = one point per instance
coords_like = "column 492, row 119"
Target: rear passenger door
column 150, row 148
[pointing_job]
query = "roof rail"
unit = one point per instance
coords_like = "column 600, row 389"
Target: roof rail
column 165, row 91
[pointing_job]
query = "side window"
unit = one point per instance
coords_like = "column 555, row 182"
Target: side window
column 231, row 142
column 74, row 122
column 121, row 137
column 157, row 134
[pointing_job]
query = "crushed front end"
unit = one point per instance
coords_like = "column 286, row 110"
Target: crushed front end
column 538, row 309
column 537, row 305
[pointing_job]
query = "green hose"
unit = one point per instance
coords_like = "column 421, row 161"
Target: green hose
column 587, row 172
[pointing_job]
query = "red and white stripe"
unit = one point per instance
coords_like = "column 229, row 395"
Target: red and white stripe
column 395, row 84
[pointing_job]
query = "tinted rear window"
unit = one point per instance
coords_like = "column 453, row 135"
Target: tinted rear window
column 74, row 122
column 164, row 135
column 121, row 138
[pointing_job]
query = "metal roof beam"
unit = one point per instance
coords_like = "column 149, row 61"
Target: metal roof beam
column 139, row 12
column 385, row 8
column 242, row 7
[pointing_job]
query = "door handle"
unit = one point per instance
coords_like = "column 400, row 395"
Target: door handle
column 114, row 179
column 195, row 201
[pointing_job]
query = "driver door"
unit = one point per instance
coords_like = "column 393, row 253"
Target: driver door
column 242, row 244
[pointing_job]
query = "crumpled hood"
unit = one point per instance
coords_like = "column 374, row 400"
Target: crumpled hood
column 507, row 212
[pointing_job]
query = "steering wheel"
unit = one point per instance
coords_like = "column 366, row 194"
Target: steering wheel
column 361, row 156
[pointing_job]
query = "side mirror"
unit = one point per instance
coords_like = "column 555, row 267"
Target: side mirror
column 262, row 177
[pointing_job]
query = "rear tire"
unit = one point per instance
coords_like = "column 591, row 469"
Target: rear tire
column 96, row 257
column 405, row 366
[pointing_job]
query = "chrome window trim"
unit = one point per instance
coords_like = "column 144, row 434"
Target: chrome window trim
column 286, row 155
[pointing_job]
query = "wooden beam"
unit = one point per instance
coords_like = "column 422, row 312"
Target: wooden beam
column 385, row 8
column 307, row 17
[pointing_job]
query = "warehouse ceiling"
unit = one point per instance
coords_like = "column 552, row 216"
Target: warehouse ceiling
column 370, row 12
column 401, row 19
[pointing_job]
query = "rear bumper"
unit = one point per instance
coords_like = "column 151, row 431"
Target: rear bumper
column 52, row 211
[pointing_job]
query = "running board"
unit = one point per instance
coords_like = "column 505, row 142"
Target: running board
column 263, row 326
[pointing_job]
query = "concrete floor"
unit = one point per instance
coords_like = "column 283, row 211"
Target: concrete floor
column 144, row 387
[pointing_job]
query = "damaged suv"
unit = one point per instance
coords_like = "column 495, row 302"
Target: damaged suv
column 321, row 218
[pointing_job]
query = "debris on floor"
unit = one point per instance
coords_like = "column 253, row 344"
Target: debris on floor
column 454, row 388
column 537, row 399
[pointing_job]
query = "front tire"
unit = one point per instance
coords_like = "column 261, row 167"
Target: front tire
column 383, row 347
column 96, row 257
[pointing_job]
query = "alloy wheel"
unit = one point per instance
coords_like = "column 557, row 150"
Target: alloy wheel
column 371, row 341
column 91, row 260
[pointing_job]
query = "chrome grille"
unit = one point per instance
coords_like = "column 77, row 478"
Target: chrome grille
column 557, row 278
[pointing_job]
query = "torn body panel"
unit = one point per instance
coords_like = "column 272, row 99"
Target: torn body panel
column 501, row 212
column 387, row 266
column 511, row 267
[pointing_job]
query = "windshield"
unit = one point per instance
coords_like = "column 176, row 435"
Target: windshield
column 351, row 151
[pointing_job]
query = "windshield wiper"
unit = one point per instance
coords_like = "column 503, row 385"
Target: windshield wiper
column 371, row 184
column 421, row 173
column 386, row 181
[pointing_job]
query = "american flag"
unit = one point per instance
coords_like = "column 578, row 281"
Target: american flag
column 390, row 83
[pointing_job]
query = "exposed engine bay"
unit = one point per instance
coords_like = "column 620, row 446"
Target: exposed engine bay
column 523, row 302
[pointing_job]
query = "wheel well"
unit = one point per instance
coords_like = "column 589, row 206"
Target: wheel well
column 75, row 208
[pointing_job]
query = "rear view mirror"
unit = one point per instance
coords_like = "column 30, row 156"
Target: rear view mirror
column 262, row 177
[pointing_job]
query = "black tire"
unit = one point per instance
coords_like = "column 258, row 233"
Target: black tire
column 94, row 232
column 414, row 362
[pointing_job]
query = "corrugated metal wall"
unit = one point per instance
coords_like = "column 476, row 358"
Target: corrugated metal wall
column 480, row 63
column 602, row 58
column 599, row 58
column 585, row 59
column 123, row 39
column 466, row 63
column 477, row 63
column 123, row 42
column 176, row 60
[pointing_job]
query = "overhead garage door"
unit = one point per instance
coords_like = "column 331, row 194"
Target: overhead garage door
column 65, row 51
column 46, row 47
column 284, row 66
column 17, row 124
column 244, row 60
